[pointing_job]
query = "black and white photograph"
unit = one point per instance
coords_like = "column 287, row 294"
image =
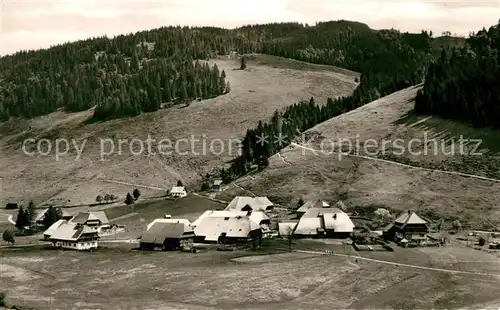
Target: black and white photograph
column 248, row 155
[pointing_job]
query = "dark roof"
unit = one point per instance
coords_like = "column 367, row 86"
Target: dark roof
column 409, row 218
column 161, row 231
column 84, row 217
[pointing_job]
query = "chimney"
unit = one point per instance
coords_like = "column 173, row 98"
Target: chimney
column 409, row 211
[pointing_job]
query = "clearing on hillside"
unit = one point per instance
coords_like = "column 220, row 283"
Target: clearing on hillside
column 310, row 169
column 269, row 83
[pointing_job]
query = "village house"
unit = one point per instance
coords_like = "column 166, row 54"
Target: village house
column 311, row 204
column 227, row 229
column 243, row 203
column 257, row 217
column 167, row 236
column 96, row 220
column 217, row 185
column 74, row 236
column 178, row 192
column 49, row 231
column 168, row 219
column 407, row 227
column 324, row 222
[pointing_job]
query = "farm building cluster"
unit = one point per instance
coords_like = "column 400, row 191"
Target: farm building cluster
column 243, row 220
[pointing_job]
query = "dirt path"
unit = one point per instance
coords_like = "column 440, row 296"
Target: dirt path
column 402, row 165
column 132, row 184
column 404, row 265
column 246, row 190
column 124, row 216
column 283, row 159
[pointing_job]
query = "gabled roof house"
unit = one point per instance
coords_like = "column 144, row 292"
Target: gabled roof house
column 167, row 236
column 408, row 225
column 312, row 204
column 74, row 236
column 244, row 203
column 226, row 229
column 185, row 222
column 329, row 222
column 257, row 217
column 92, row 219
column 178, row 191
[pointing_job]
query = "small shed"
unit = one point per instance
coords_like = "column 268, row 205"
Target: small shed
column 178, row 192
column 217, row 185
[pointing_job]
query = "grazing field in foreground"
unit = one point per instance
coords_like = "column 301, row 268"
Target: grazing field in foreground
column 359, row 181
column 269, row 83
column 121, row 278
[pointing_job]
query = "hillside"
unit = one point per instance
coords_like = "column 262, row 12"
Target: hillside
column 297, row 172
column 462, row 84
column 269, row 83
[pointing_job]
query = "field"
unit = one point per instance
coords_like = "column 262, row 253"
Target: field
column 269, row 83
column 117, row 277
column 311, row 170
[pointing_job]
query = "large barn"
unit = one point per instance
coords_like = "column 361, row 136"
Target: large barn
column 167, row 236
column 227, row 229
column 324, row 222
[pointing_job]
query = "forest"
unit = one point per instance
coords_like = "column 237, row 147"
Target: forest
column 142, row 72
column 463, row 83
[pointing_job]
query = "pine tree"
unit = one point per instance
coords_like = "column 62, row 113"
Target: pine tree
column 22, row 219
column 136, row 193
column 52, row 215
column 129, row 199
column 30, row 213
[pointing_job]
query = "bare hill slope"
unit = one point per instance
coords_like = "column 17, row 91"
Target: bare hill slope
column 269, row 83
column 376, row 172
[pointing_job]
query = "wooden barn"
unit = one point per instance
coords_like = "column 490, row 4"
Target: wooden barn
column 167, row 236
column 407, row 226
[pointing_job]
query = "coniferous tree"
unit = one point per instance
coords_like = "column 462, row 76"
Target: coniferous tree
column 129, row 199
column 52, row 215
column 22, row 219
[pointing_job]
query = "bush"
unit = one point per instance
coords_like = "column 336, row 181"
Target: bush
column 136, row 193
column 2, row 299
column 482, row 241
column 8, row 236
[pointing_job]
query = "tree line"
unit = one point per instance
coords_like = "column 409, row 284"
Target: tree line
column 463, row 83
column 135, row 73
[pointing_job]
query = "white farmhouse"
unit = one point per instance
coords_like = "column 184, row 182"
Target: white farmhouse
column 74, row 236
column 244, row 203
column 329, row 222
column 96, row 220
column 169, row 219
column 178, row 192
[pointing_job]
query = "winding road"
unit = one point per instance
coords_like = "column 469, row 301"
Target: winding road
column 315, row 151
column 403, row 265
